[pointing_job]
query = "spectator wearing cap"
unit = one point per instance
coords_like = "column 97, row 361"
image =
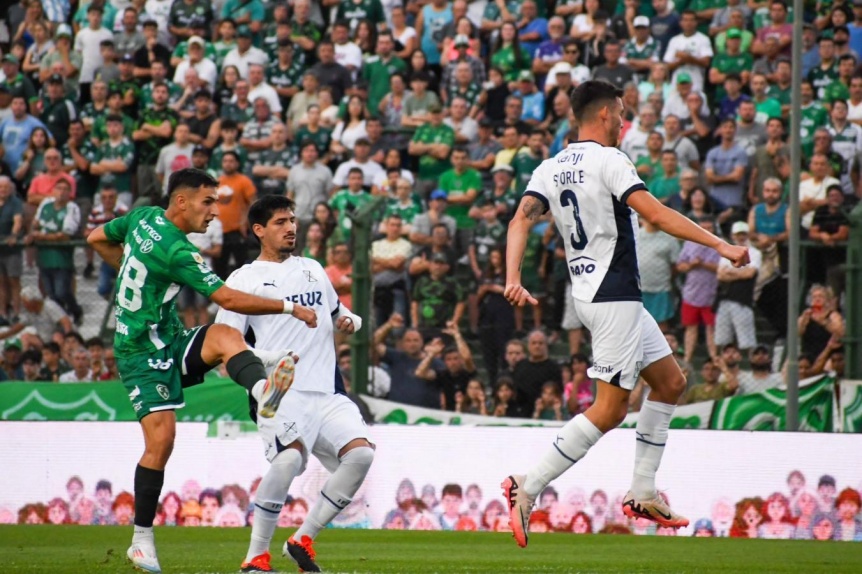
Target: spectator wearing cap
column 432, row 143
column 725, row 167
column 502, row 192
column 109, row 71
column 533, row 101
column 424, row 223
column 308, row 182
column 15, row 82
column 197, row 27
column 331, row 73
column 642, row 50
column 570, row 64
column 63, row 60
column 712, row 387
column 11, row 370
column 371, row 170
column 201, row 160
column 11, row 264
column 699, row 264
column 285, row 73
column 187, row 16
column 150, row 52
column 58, row 112
column 453, row 76
column 245, row 53
column 271, row 170
column 735, row 315
column 155, row 128
column 204, row 125
column 88, row 41
column 827, row 71
column 116, row 155
column 196, row 60
column 613, row 70
column 128, row 39
column 732, row 61
column 236, row 193
column 779, row 28
column 690, row 51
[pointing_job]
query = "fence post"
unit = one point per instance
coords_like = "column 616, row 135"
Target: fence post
column 360, row 343
column 853, row 334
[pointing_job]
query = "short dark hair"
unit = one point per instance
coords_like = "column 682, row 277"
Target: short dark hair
column 95, row 342
column 356, row 170
column 228, row 124
column 452, row 489
column 592, row 95
column 190, row 178
column 262, row 210
column 210, row 493
column 52, row 347
column 74, row 335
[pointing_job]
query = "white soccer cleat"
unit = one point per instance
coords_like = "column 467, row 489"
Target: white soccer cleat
column 144, row 558
column 655, row 509
column 271, row 358
column 277, row 385
column 520, row 506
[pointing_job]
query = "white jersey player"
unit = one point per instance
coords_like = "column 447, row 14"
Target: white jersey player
column 315, row 416
column 593, row 191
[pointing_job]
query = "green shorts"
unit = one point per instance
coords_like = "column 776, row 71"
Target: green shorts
column 155, row 381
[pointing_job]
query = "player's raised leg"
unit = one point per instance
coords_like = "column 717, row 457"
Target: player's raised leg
column 268, row 502
column 355, row 460
column 223, row 343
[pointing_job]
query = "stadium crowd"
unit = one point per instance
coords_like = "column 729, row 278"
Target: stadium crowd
column 799, row 511
column 444, row 108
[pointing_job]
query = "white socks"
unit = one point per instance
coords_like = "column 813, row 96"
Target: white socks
column 572, row 443
column 270, row 497
column 268, row 358
column 144, row 536
column 651, row 436
column 338, row 491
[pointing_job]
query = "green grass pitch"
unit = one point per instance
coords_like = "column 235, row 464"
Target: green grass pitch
column 96, row 550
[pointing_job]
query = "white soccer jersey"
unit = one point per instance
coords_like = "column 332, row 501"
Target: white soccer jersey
column 586, row 187
column 303, row 281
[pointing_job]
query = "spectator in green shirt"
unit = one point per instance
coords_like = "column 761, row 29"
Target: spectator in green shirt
column 462, row 185
column 432, row 144
column 348, row 200
column 378, row 69
column 665, row 183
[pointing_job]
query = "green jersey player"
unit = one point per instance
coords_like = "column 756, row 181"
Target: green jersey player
column 156, row 356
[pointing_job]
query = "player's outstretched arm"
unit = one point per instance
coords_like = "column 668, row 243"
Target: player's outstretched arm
column 247, row 304
column 529, row 211
column 109, row 251
column 681, row 227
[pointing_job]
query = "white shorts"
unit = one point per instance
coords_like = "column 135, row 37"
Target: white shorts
column 570, row 316
column 733, row 319
column 323, row 422
column 626, row 339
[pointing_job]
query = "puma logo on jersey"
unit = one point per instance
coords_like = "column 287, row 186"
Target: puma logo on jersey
column 311, row 278
column 307, row 299
column 270, row 284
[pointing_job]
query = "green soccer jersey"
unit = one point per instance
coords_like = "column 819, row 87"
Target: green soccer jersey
column 429, row 166
column 508, row 63
column 182, row 13
column 457, row 185
column 492, row 11
column 53, row 219
column 221, row 50
column 835, row 91
column 813, row 116
column 353, row 12
column 487, row 237
column 89, row 112
column 57, row 115
column 378, row 73
column 471, row 94
column 289, row 77
column 524, row 163
column 727, row 64
column 437, row 299
column 149, row 149
column 821, row 78
column 662, row 187
column 407, row 212
column 124, row 87
column 182, row 50
column 653, row 166
column 124, row 151
column 235, row 113
column 632, row 51
column 345, row 202
column 158, row 260
column 767, row 109
column 218, row 153
column 175, row 92
column 273, row 158
column 781, row 94
column 321, row 139
column 85, row 184
column 701, row 5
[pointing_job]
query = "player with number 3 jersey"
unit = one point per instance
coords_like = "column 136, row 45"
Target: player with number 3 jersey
column 156, row 356
column 594, row 193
